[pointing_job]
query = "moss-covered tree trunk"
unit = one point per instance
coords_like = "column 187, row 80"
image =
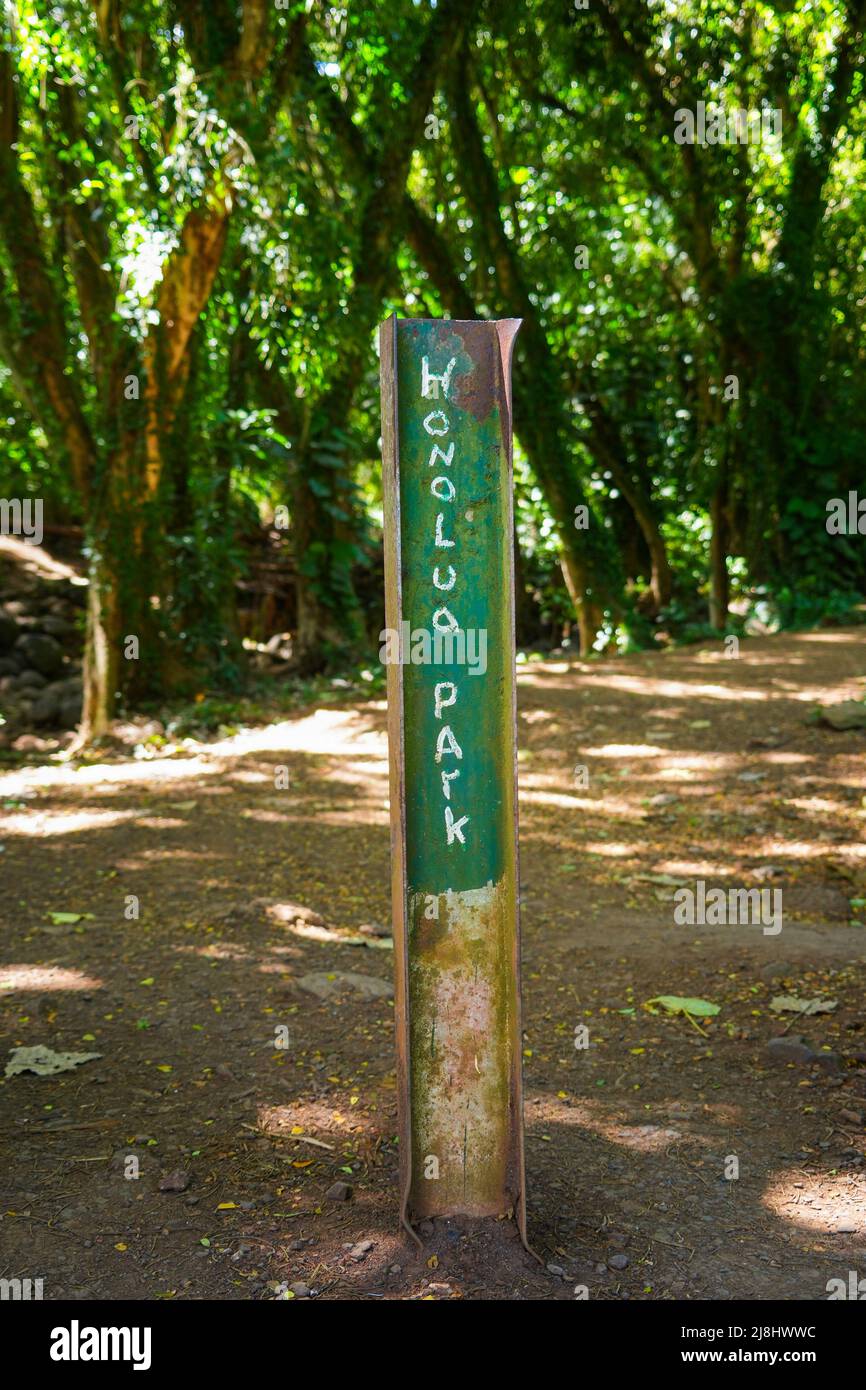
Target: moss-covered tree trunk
column 102, row 649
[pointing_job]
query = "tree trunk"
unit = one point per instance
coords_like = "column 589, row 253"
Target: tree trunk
column 605, row 443
column 719, row 588
column 330, row 623
column 102, row 654
column 661, row 577
column 122, row 575
column 325, row 532
column 524, row 608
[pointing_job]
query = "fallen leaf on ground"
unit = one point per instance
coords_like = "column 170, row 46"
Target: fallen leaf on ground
column 44, row 1061
column 788, row 1003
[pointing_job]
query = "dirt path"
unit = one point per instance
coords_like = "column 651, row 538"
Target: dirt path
column 697, row 768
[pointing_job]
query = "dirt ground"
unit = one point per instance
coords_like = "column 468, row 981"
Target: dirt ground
column 698, row 767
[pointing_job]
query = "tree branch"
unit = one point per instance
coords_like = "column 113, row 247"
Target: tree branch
column 45, row 340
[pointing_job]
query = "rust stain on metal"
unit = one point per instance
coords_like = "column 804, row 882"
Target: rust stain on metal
column 462, row 1113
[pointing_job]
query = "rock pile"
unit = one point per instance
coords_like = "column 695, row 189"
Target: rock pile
column 41, row 635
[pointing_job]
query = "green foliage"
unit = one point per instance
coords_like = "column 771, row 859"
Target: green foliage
column 463, row 159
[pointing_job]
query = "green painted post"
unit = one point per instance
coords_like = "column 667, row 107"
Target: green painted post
column 449, row 649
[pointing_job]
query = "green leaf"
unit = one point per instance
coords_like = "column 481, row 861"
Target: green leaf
column 676, row 1004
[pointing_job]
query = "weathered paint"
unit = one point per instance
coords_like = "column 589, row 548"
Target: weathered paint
column 454, row 891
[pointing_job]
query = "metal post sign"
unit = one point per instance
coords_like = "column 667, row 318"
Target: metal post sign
column 449, row 649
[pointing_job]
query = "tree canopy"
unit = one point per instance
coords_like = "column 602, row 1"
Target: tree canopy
column 206, row 210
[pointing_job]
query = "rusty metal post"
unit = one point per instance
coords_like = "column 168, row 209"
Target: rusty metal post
column 449, row 649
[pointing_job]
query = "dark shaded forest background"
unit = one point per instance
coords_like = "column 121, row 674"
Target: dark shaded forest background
column 207, row 208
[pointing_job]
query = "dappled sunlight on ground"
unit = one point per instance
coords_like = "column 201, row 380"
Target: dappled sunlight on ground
column 610, row 1123
column 830, row 1203
column 41, row 823
column 95, row 776
column 15, row 978
column 699, row 868
column 246, row 885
